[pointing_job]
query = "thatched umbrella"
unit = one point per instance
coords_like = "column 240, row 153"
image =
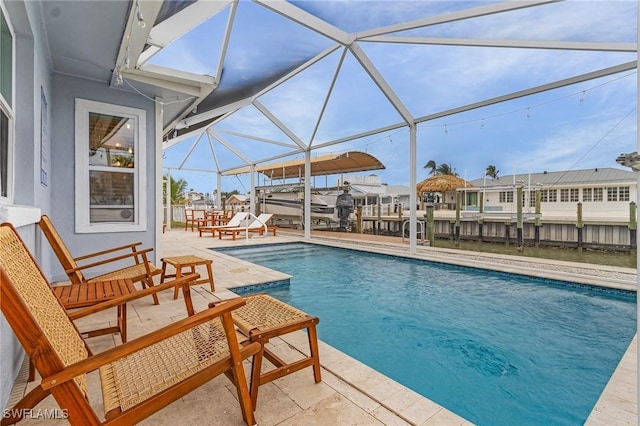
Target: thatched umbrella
column 442, row 183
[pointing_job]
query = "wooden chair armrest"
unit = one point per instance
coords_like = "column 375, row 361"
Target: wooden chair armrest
column 136, row 253
column 89, row 310
column 111, row 250
column 94, row 362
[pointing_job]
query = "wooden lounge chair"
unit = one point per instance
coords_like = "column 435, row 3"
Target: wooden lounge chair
column 141, row 271
column 139, row 377
column 258, row 225
column 234, row 222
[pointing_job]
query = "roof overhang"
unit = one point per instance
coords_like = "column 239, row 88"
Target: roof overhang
column 347, row 162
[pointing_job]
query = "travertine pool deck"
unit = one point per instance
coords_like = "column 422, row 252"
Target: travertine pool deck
column 350, row 393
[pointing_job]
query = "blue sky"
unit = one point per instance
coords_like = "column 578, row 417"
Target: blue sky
column 586, row 125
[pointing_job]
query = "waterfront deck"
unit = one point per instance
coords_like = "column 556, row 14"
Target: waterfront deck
column 350, row 393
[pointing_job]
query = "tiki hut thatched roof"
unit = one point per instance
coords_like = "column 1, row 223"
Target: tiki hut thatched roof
column 442, row 183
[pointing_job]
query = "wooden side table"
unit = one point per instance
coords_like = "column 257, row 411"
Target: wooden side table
column 264, row 317
column 188, row 261
column 91, row 293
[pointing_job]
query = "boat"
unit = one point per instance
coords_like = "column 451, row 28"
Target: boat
column 288, row 203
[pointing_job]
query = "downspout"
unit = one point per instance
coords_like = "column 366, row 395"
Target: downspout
column 158, row 205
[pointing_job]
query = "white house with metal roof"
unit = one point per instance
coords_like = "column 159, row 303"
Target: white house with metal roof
column 605, row 193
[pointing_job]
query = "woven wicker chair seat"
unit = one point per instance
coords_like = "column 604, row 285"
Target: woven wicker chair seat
column 186, row 260
column 264, row 317
column 131, row 380
column 266, row 313
column 134, row 273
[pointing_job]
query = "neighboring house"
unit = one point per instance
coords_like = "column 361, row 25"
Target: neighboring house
column 238, row 202
column 198, row 200
column 368, row 190
column 605, row 193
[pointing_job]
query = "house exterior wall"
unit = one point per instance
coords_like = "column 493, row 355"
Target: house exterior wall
column 66, row 90
column 55, row 195
column 32, row 77
column 614, row 210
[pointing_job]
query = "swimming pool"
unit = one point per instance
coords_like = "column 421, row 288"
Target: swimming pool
column 495, row 348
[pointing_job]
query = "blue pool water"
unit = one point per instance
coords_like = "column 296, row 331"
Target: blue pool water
column 495, row 348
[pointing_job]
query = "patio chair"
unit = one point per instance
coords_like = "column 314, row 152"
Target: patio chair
column 141, row 271
column 194, row 217
column 259, row 225
column 235, row 221
column 137, row 378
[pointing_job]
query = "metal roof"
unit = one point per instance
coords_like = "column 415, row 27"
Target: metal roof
column 563, row 178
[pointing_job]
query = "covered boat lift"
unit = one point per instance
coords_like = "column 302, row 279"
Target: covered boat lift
column 323, row 165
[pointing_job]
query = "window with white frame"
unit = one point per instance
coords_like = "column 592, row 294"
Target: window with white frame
column 573, row 195
column 506, row 197
column 6, row 107
column 564, row 195
column 597, row 194
column 549, row 195
column 110, row 167
column 623, row 193
column 612, row 193
column 587, row 194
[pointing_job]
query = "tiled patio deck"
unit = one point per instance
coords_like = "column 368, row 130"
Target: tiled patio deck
column 350, row 392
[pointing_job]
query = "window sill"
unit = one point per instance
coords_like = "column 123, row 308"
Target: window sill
column 19, row 215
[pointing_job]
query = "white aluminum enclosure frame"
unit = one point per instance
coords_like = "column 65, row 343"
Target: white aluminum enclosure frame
column 200, row 86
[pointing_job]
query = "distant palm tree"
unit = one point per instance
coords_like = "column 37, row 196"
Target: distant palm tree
column 446, row 169
column 492, row 172
column 178, row 187
column 431, row 165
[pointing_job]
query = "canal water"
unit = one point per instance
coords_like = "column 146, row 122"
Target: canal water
column 596, row 257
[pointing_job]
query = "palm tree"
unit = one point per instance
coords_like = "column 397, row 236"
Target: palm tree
column 492, row 172
column 178, row 188
column 446, row 169
column 431, row 165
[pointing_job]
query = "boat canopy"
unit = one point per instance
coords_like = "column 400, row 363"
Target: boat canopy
column 346, row 162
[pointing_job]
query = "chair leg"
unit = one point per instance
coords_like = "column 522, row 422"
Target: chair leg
column 148, row 282
column 256, row 367
column 32, row 371
column 210, row 272
column 122, row 322
column 176, row 289
column 315, row 354
column 30, row 400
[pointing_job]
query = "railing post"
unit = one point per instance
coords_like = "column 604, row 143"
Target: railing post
column 633, row 225
column 519, row 224
column 579, row 226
